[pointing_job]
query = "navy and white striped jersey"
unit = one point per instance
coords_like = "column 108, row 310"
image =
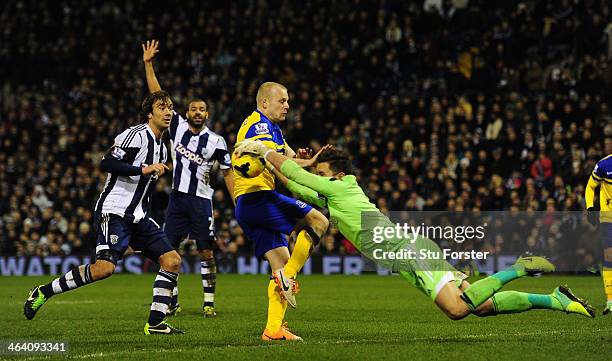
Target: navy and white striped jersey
column 129, row 196
column 194, row 155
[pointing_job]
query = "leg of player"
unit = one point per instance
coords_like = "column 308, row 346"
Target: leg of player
column 175, row 307
column 176, row 228
column 450, row 301
column 277, row 306
column 313, row 227
column 77, row 277
column 112, row 241
column 208, row 271
column 606, row 272
column 266, row 217
column 483, row 289
column 165, row 281
column 561, row 299
column 308, row 237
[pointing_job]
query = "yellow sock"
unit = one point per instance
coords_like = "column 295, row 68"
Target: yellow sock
column 276, row 308
column 300, row 254
column 607, row 281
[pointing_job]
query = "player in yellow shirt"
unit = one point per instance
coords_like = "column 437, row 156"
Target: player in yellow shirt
column 267, row 216
column 602, row 178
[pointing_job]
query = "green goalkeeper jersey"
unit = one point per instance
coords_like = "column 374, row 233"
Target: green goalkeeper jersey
column 344, row 198
column 356, row 217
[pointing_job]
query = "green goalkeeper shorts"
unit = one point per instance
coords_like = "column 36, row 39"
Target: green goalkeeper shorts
column 428, row 275
column 431, row 282
column 414, row 259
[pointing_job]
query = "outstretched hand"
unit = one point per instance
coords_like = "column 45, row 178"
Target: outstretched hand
column 250, row 146
column 326, row 147
column 149, row 50
column 305, row 159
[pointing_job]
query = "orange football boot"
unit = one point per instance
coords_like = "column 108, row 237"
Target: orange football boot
column 283, row 334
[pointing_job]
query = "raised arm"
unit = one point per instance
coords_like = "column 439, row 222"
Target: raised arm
column 148, row 53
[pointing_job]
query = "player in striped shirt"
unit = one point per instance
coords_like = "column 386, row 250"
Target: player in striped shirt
column 195, row 149
column 134, row 163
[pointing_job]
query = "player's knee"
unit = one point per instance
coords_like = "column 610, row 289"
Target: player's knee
column 481, row 312
column 324, row 223
column 206, row 254
column 170, row 261
column 457, row 312
column 101, row 270
column 318, row 221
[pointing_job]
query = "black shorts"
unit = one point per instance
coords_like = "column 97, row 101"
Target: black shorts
column 190, row 216
column 116, row 234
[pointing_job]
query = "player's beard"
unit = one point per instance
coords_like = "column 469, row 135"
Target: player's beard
column 197, row 124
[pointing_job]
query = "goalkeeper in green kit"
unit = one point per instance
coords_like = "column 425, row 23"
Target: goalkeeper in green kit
column 336, row 189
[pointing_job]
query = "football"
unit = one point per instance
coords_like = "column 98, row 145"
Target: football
column 248, row 165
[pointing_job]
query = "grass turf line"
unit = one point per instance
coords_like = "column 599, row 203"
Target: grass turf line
column 339, row 317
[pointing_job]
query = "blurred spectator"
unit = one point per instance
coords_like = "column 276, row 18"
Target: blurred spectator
column 542, row 170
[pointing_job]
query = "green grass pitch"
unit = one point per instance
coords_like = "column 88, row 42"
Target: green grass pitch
column 339, row 317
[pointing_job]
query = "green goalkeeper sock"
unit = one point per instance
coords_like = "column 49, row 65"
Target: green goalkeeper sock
column 482, row 290
column 514, row 302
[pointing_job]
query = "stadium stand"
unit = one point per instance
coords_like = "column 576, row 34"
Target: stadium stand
column 491, row 105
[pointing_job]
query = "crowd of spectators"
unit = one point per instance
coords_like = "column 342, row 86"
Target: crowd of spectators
column 444, row 105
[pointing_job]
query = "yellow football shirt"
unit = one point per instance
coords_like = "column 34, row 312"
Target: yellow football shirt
column 257, row 127
column 602, row 178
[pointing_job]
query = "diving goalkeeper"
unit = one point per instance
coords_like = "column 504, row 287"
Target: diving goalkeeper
column 336, row 189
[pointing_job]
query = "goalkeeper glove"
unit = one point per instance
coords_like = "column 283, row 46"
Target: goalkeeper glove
column 252, row 147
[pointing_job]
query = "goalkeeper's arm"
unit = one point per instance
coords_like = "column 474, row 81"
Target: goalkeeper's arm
column 302, row 192
column 289, row 168
column 297, row 174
